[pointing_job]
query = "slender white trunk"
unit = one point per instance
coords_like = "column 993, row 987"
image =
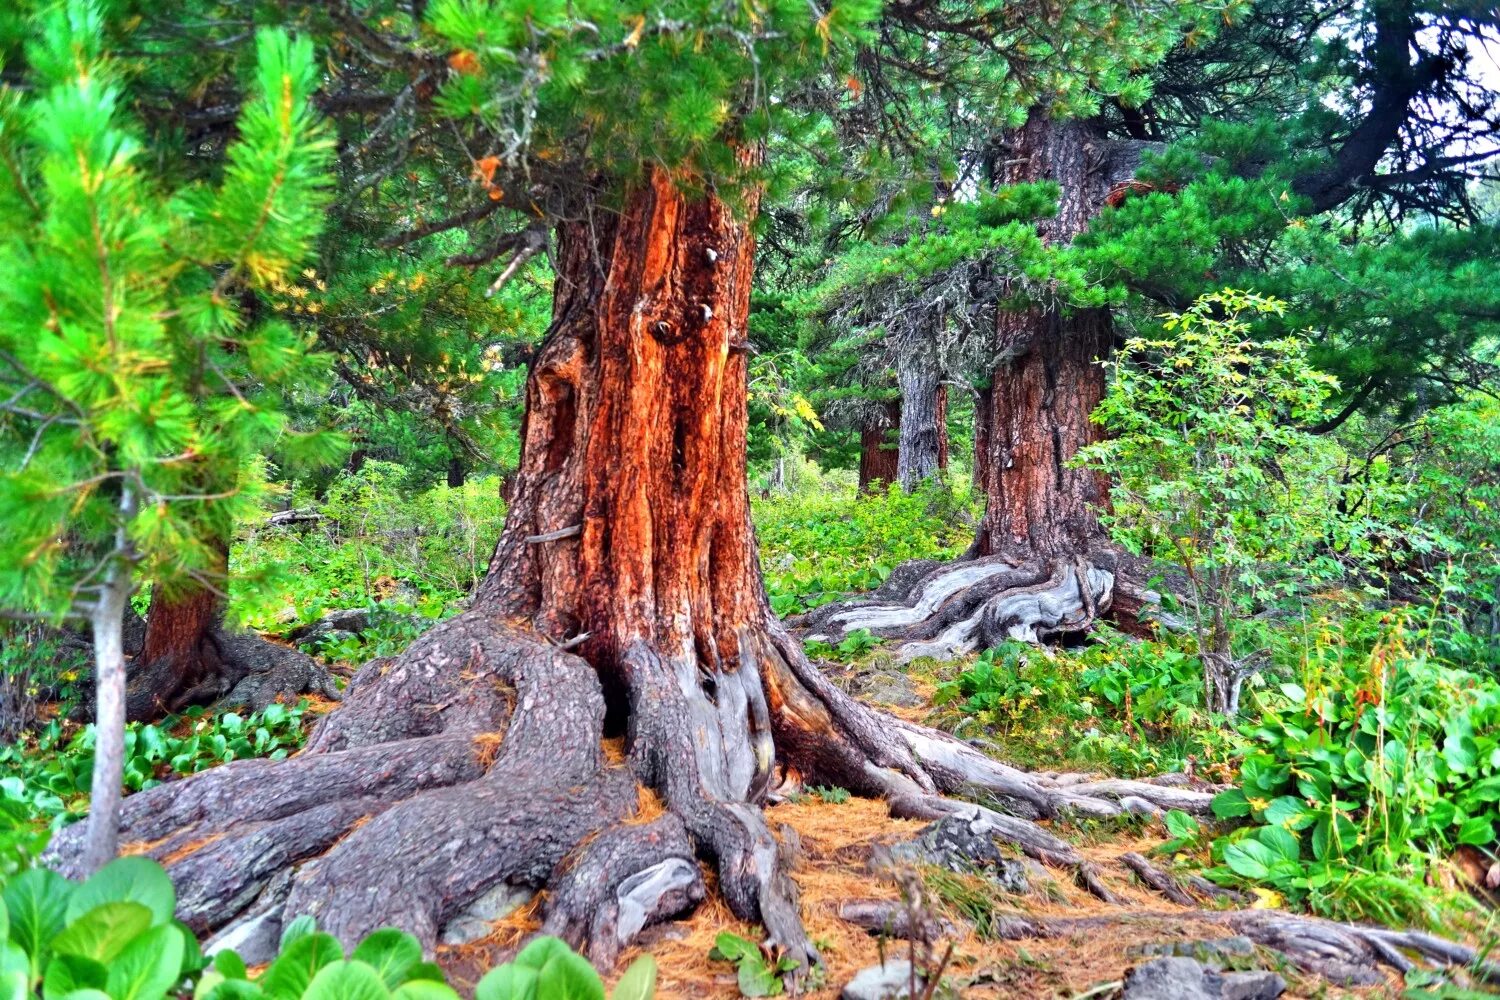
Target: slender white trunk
column 101, row 840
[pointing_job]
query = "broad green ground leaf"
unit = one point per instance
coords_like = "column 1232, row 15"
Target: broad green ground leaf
column 347, row 981
column 148, row 967
column 38, row 902
column 103, row 932
column 508, row 982
column 392, row 953
column 127, row 880
column 424, row 989
column 70, row 973
column 295, row 968
column 638, row 982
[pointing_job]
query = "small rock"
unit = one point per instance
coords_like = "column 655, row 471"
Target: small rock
column 888, row 687
column 477, row 919
column 1172, row 979
column 333, row 624
column 891, row 981
column 1252, row 986
column 1182, row 978
column 955, row 843
column 255, row 940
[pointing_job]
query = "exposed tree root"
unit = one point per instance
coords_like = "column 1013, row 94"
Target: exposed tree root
column 474, row 764
column 946, row 610
column 1348, row 954
column 227, row 669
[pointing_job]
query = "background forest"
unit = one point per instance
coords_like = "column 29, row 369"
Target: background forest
column 1071, row 421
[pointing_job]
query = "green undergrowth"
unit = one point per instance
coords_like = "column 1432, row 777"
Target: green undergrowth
column 45, row 776
column 824, row 545
column 1118, row 704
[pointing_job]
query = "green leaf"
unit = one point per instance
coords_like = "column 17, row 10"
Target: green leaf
column 391, row 952
column 1180, row 824
column 290, row 975
column 1230, row 805
column 347, row 981
column 508, row 982
column 127, row 880
column 14, row 986
column 562, row 974
column 424, row 989
column 71, row 973
column 1250, row 858
column 230, row 965
column 638, row 982
column 298, row 928
column 103, row 932
column 38, row 902
column 1477, row 830
column 148, row 967
column 1282, row 841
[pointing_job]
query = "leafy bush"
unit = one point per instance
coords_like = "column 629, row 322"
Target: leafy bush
column 820, row 548
column 1213, row 471
column 1371, row 769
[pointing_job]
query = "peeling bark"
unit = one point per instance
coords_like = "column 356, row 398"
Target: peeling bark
column 920, row 454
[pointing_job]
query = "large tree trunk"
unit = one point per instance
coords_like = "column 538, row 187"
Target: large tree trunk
column 920, row 455
column 624, row 597
column 879, row 448
column 188, row 657
column 1040, row 565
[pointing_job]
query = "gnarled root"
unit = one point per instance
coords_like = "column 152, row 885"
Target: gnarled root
column 1349, row 954
column 945, row 610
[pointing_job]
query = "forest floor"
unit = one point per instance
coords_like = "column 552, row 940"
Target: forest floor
column 836, row 842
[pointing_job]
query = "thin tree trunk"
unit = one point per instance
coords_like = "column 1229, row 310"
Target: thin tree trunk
column 879, row 448
column 102, row 836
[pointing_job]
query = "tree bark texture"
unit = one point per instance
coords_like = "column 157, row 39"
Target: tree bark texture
column 879, row 447
column 623, row 598
column 1048, row 378
column 922, row 434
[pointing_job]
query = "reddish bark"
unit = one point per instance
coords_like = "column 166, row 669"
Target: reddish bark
column 983, row 415
column 1037, row 415
column 879, row 452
